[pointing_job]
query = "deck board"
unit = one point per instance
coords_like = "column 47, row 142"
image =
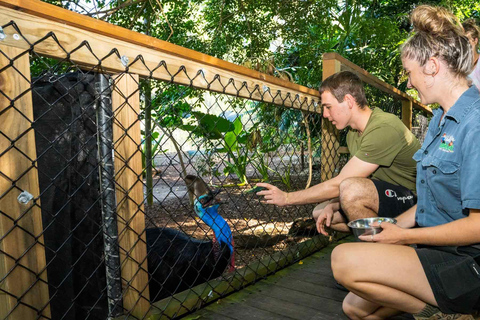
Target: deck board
column 305, row 290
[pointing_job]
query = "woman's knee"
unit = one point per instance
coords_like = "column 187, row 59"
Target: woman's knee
column 354, row 311
column 342, row 267
column 350, row 311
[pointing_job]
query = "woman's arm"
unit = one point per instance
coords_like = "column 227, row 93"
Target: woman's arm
column 407, row 219
column 461, row 232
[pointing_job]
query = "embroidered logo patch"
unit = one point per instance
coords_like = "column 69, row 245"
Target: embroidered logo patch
column 390, row 193
column 446, row 143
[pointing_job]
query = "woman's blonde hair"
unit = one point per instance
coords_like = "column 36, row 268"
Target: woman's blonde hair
column 438, row 33
column 471, row 29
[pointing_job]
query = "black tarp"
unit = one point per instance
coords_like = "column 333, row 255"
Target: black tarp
column 65, row 132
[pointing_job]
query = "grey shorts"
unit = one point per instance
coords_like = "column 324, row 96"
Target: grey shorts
column 454, row 276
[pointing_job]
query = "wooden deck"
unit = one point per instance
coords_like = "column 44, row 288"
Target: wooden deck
column 304, row 291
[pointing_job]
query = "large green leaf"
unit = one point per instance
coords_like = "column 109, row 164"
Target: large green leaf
column 231, row 138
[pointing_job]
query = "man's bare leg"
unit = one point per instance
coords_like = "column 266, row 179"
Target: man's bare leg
column 359, row 198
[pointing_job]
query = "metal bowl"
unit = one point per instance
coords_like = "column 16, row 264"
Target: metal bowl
column 363, row 226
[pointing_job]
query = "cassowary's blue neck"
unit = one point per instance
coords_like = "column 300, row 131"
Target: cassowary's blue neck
column 219, row 226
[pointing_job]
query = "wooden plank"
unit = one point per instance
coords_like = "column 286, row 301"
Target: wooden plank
column 129, row 193
column 241, row 311
column 318, row 277
column 330, row 135
column 159, row 64
column 366, row 77
column 231, row 305
column 343, row 150
column 283, row 307
column 207, row 314
column 307, row 287
column 325, row 305
column 323, row 316
column 22, row 255
column 407, row 113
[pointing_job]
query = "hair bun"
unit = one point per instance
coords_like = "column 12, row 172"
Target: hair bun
column 435, row 20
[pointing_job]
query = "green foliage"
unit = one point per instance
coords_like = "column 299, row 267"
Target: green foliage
column 157, row 140
column 287, row 177
column 234, row 143
column 273, row 36
column 261, row 166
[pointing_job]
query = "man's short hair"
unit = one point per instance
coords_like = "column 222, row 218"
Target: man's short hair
column 342, row 83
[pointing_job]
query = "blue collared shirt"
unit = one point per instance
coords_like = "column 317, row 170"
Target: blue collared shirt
column 448, row 163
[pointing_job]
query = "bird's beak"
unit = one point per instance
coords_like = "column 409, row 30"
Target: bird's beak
column 210, row 199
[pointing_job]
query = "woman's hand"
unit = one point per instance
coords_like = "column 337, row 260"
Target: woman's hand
column 391, row 234
column 273, row 195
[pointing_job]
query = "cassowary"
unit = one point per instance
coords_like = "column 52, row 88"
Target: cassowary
column 177, row 261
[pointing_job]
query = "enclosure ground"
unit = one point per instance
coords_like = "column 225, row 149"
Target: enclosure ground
column 258, row 229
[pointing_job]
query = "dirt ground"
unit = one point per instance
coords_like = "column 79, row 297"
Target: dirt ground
column 258, row 229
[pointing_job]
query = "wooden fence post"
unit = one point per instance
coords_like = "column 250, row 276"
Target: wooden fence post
column 330, row 135
column 23, row 273
column 129, row 192
column 407, row 113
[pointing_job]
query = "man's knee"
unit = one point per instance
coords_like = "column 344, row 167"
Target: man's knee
column 356, row 193
column 352, row 189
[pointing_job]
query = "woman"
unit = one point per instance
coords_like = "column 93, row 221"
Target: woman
column 473, row 34
column 441, row 276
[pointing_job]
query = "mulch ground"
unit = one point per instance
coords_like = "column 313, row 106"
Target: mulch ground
column 258, row 229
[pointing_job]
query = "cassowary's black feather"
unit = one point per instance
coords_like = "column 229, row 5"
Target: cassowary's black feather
column 177, row 262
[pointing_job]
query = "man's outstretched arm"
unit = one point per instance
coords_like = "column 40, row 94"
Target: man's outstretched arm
column 354, row 168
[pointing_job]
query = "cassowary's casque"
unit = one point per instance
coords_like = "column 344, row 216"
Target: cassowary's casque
column 177, row 261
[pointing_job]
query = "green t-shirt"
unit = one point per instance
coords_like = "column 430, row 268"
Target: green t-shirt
column 386, row 141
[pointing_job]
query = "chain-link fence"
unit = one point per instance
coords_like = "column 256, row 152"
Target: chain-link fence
column 128, row 180
column 127, row 195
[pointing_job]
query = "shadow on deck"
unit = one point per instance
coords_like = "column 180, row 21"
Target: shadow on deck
column 304, row 291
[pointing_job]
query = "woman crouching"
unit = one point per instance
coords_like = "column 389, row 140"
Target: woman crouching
column 440, row 278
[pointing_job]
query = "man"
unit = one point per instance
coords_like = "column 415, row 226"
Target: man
column 379, row 178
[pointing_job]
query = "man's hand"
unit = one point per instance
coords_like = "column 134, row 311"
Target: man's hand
column 329, row 217
column 273, row 195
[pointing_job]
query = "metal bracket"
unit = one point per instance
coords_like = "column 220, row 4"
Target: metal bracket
column 24, row 197
column 124, row 61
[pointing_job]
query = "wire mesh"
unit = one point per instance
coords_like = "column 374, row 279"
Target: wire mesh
column 136, row 188
column 115, row 155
